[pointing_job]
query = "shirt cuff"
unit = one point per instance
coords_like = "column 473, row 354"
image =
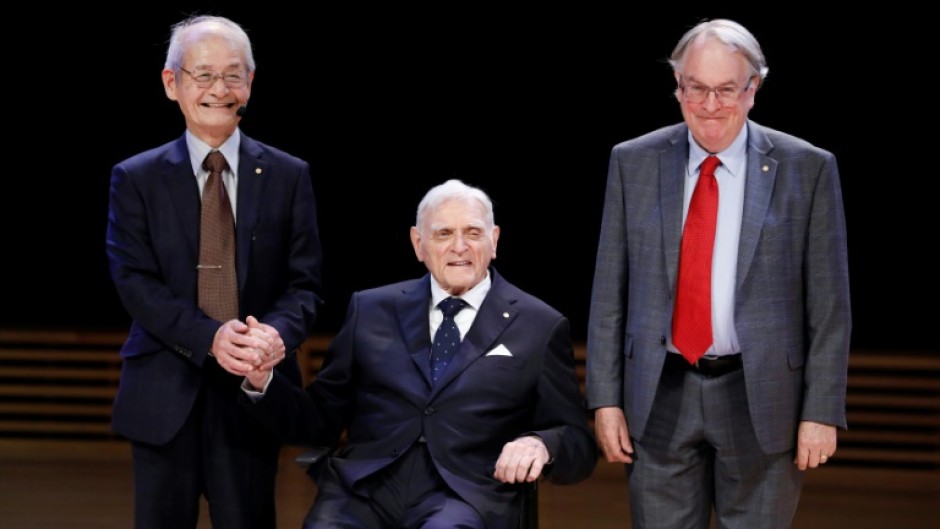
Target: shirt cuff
column 253, row 394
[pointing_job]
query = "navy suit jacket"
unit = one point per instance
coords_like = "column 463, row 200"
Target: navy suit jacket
column 375, row 384
column 153, row 249
column 791, row 297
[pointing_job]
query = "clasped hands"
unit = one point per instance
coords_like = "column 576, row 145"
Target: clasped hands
column 250, row 348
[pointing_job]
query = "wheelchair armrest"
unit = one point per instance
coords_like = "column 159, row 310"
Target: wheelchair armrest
column 529, row 518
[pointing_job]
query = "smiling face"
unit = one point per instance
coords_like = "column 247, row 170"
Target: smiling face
column 209, row 111
column 710, row 63
column 455, row 244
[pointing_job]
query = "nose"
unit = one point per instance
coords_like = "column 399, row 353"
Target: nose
column 460, row 244
column 711, row 102
column 218, row 84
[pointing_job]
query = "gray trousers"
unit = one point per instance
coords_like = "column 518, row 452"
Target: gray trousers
column 699, row 454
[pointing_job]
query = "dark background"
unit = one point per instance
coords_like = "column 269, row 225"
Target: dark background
column 384, row 103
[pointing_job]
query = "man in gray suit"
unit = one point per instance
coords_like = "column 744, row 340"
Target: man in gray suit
column 732, row 429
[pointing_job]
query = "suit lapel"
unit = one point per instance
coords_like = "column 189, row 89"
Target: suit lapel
column 671, row 192
column 252, row 170
column 412, row 308
column 494, row 316
column 183, row 192
column 181, row 186
column 758, row 191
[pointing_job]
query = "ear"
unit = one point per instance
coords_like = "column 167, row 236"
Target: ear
column 416, row 243
column 751, row 92
column 169, row 83
column 495, row 239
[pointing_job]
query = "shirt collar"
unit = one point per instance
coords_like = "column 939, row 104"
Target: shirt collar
column 474, row 297
column 198, row 150
column 730, row 158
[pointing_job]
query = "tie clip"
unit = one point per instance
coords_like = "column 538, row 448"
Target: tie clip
column 212, row 267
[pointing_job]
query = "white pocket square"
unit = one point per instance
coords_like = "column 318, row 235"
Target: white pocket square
column 499, row 350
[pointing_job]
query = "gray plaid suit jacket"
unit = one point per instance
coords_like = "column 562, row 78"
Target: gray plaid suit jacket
column 791, row 308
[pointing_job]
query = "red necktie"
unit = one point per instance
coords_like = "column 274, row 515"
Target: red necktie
column 692, row 315
column 218, row 286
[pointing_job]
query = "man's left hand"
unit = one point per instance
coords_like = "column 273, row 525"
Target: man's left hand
column 815, row 444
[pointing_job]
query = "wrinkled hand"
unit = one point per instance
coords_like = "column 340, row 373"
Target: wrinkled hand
column 234, row 349
column 521, row 460
column 272, row 349
column 815, row 444
column 613, row 437
column 269, row 352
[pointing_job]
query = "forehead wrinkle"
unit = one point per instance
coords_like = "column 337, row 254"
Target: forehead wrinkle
column 235, row 64
column 692, row 79
column 206, row 51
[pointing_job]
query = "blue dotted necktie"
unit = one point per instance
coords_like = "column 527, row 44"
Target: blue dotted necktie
column 447, row 337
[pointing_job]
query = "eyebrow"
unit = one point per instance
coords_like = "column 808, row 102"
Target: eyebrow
column 690, row 79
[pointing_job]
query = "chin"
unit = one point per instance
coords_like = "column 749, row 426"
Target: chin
column 458, row 283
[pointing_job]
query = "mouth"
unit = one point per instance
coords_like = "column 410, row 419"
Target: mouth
column 218, row 105
column 459, row 263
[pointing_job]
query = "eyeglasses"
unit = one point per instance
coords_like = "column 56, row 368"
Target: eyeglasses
column 726, row 95
column 205, row 79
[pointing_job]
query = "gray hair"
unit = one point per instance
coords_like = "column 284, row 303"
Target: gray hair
column 197, row 28
column 728, row 32
column 454, row 190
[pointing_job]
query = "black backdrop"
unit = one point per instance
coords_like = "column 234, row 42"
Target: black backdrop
column 523, row 103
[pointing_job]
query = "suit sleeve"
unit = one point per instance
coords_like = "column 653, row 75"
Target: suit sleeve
column 560, row 417
column 828, row 310
column 605, row 346
column 294, row 311
column 316, row 415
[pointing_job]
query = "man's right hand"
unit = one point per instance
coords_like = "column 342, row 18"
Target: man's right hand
column 610, row 426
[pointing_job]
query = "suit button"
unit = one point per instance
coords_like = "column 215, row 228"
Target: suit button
column 395, row 452
column 662, row 340
column 429, row 410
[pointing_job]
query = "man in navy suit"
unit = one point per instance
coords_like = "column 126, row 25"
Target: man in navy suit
column 734, row 429
column 181, row 367
column 505, row 410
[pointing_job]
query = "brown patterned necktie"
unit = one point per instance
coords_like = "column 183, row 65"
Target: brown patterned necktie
column 692, row 316
column 218, row 286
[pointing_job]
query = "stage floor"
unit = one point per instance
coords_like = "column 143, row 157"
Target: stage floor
column 79, row 485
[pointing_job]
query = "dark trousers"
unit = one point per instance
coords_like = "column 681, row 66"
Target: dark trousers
column 409, row 494
column 220, row 453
